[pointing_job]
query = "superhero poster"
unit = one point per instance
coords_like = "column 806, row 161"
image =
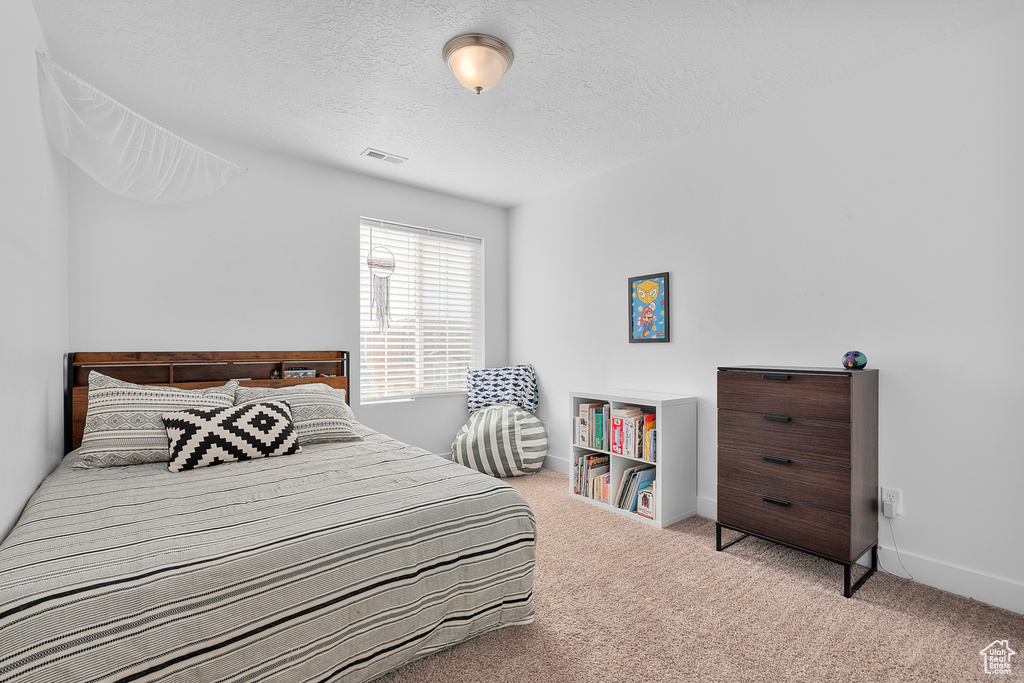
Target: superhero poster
column 648, row 308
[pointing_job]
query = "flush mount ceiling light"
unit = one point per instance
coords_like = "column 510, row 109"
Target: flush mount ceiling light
column 477, row 60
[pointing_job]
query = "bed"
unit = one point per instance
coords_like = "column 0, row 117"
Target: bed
column 338, row 563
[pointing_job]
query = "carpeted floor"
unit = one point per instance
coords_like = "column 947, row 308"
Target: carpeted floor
column 618, row 601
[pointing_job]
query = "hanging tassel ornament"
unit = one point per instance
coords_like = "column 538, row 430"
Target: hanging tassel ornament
column 381, row 263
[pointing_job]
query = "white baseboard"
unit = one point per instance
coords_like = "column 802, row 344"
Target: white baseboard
column 557, row 464
column 970, row 583
column 707, row 507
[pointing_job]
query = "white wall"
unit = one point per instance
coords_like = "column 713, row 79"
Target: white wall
column 268, row 262
column 33, row 270
column 882, row 214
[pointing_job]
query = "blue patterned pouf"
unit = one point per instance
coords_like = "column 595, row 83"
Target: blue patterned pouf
column 511, row 385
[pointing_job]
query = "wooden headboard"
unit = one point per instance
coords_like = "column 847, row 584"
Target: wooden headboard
column 194, row 370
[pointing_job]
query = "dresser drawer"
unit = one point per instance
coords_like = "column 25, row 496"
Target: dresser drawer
column 796, row 480
column 822, row 441
column 821, row 396
column 820, row 531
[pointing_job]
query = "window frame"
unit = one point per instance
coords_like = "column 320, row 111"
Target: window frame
column 369, row 391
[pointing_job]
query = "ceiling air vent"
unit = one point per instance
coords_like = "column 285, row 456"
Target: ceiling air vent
column 383, row 156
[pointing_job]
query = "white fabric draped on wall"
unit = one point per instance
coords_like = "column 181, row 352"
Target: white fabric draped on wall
column 123, row 151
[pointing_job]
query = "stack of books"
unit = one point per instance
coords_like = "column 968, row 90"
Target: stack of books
column 591, row 476
column 634, row 433
column 591, row 426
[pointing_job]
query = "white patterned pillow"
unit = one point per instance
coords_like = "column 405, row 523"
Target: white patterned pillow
column 502, row 441
column 123, row 424
column 202, row 438
column 319, row 411
column 515, row 385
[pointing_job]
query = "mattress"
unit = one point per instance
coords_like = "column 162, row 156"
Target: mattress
column 339, row 563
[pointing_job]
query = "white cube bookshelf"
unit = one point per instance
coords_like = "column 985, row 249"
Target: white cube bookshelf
column 676, row 452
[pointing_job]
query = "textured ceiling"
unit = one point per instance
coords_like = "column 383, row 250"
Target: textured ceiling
column 595, row 83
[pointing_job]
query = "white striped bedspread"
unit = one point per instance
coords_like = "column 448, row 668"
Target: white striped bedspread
column 339, row 563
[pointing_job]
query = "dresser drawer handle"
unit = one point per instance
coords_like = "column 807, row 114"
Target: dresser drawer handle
column 775, row 376
column 775, row 501
column 776, row 418
column 777, row 461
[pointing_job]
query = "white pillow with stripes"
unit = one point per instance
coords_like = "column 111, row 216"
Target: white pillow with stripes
column 502, row 441
column 320, row 412
column 123, row 424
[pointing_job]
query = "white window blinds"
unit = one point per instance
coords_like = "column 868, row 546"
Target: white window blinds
column 435, row 330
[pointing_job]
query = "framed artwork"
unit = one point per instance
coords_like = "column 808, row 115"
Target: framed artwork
column 648, row 308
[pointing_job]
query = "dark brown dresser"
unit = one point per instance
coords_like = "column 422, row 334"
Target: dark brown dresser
column 798, row 460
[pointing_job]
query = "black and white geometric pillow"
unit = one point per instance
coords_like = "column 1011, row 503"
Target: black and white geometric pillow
column 201, row 438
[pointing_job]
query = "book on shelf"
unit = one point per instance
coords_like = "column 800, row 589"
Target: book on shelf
column 645, row 500
column 578, row 472
column 615, row 435
column 649, row 426
column 593, row 477
column 620, row 418
column 623, row 486
column 634, row 438
column 603, row 428
column 599, row 486
column 587, row 468
column 585, row 433
column 628, row 411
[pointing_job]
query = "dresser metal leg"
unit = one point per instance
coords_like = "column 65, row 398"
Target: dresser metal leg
column 718, row 538
column 847, row 589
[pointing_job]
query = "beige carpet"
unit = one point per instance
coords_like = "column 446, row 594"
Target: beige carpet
column 618, row 601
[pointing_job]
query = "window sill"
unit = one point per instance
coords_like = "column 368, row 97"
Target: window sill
column 415, row 397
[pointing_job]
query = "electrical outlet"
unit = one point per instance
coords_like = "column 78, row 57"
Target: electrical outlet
column 894, row 496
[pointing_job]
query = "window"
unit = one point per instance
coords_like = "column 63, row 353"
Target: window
column 435, row 330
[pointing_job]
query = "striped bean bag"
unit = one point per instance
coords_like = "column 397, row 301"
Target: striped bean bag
column 502, row 441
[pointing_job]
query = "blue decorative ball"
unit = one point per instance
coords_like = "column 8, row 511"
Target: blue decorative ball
column 855, row 360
